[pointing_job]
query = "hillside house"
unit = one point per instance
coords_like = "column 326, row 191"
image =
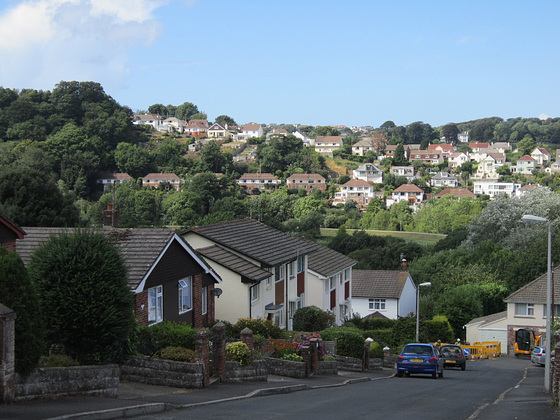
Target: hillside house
column 368, row 172
column 358, row 190
column 308, row 181
column 258, row 181
column 326, row 145
column 162, row 180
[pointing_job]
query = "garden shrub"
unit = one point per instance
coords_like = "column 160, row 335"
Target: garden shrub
column 179, row 354
column 260, row 326
column 376, row 350
column 377, row 323
column 230, row 333
column 349, row 341
column 437, row 328
column 312, row 318
column 238, row 352
column 57, row 360
column 280, row 348
column 165, row 334
column 86, row 301
column 385, row 336
column 18, row 293
column 292, row 357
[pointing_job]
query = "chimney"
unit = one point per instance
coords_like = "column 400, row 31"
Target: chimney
column 110, row 217
column 404, row 263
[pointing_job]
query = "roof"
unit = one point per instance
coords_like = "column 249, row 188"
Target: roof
column 535, row 291
column 378, row 283
column 375, row 315
column 409, row 188
column 328, row 139
column 140, row 248
column 256, row 240
column 18, row 231
column 235, row 263
column 251, row 127
column 526, row 157
column 295, row 177
column 488, row 319
column 358, row 183
column 257, row 176
column 459, row 192
column 115, row 175
column 363, row 143
column 162, row 176
column 368, row 167
column 326, row 261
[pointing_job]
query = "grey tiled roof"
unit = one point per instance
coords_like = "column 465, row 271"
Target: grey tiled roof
column 378, row 283
column 140, row 248
column 489, row 318
column 234, row 262
column 535, row 291
column 326, row 261
column 256, row 240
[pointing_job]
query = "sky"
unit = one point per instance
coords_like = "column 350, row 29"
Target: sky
column 345, row 62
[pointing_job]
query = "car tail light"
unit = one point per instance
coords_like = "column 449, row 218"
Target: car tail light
column 538, row 354
column 433, row 359
column 460, row 356
column 401, row 357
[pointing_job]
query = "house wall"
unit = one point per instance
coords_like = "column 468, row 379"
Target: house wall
column 536, row 323
column 234, row 301
column 407, row 302
column 360, row 305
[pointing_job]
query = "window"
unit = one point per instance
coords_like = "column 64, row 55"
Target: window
column 332, row 282
column 524, row 309
column 155, row 304
column 377, row 304
column 291, row 309
column 185, row 294
column 279, row 273
column 293, row 269
column 255, row 292
column 343, row 311
column 204, row 300
column 556, row 310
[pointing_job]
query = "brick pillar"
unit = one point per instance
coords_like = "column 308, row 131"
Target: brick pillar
column 219, row 331
column 314, row 347
column 7, row 354
column 386, row 351
column 305, row 353
column 247, row 337
column 202, row 351
column 367, row 346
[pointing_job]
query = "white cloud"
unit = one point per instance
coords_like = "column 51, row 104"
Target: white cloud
column 45, row 41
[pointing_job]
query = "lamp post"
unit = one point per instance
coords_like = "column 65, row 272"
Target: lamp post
column 529, row 218
column 427, row 284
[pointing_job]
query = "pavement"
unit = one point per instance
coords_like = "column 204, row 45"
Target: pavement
column 135, row 399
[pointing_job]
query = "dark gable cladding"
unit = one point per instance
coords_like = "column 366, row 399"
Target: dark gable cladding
column 256, row 240
column 326, row 261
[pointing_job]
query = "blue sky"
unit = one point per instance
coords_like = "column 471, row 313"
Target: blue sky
column 351, row 62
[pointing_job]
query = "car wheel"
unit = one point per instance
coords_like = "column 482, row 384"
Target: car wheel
column 399, row 373
column 463, row 367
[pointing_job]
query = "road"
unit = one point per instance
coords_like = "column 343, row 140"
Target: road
column 504, row 388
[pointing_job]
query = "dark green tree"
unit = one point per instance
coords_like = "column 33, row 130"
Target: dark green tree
column 20, row 294
column 400, row 159
column 86, row 301
column 186, row 110
column 450, row 131
column 225, row 119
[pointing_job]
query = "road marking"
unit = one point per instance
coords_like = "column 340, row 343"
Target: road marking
column 500, row 397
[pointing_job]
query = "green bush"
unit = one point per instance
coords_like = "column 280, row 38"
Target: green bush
column 376, row 350
column 238, row 352
column 292, row 357
column 261, row 326
column 437, row 328
column 385, row 336
column 230, row 333
column 377, row 323
column 18, row 293
column 349, row 341
column 179, row 354
column 56, row 360
column 312, row 318
column 87, row 304
column 165, row 334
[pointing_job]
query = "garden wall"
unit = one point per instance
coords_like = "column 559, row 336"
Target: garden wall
column 65, row 381
column 286, row 368
column 349, row 363
column 256, row 371
column 163, row 372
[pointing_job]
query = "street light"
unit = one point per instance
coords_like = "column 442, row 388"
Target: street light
column 427, row 284
column 529, row 218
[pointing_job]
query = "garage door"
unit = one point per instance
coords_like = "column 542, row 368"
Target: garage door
column 495, row 335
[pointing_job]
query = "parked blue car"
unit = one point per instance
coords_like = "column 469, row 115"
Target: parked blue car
column 420, row 358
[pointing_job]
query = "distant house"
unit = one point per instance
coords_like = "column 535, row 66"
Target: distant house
column 260, row 181
column 525, row 165
column 410, row 193
column 444, row 179
column 405, row 171
column 165, row 180
column 174, row 123
column 217, row 131
column 456, row 159
column 457, row 192
column 326, row 145
column 330, row 281
column 263, row 270
column 488, row 328
column 363, row 146
column 248, row 131
column 147, row 119
column 358, row 190
column 308, row 181
column 526, row 188
column 541, row 156
column 110, row 178
column 9, row 233
column 475, row 147
column 427, row 156
column 501, row 146
column 197, row 128
column 170, row 281
column 390, row 150
column 492, row 188
column 390, row 293
column 368, row 172
column 444, row 149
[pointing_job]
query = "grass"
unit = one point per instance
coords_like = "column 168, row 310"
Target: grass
column 419, row 237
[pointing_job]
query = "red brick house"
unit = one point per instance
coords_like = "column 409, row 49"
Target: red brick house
column 9, row 233
column 170, row 281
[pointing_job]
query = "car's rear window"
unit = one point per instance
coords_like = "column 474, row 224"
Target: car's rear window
column 450, row 350
column 420, row 350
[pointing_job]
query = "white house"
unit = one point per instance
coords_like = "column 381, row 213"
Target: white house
column 147, row 119
column 368, row 172
column 248, row 131
column 356, row 189
column 488, row 328
column 444, row 179
column 456, row 159
column 363, row 146
column 258, row 180
column 525, row 165
column 390, row 293
column 325, row 145
column 541, row 155
column 410, row 193
column 492, row 188
column 406, row 171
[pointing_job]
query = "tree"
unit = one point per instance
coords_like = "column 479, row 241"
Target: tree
column 387, row 125
column 133, row 160
column 186, row 110
column 450, row 132
column 20, row 294
column 526, row 146
column 86, row 301
column 326, row 131
column 400, row 159
column 224, row 120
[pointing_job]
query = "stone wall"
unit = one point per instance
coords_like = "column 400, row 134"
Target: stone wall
column 256, row 371
column 286, row 368
column 163, row 372
column 375, row 364
column 349, row 363
column 328, row 368
column 390, row 361
column 65, row 381
column 7, row 354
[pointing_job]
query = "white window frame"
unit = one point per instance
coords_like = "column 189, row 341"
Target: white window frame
column 254, row 292
column 155, row 304
column 525, row 309
column 377, row 304
column 555, row 310
column 184, row 294
column 279, row 273
column 204, row 300
column 300, row 263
